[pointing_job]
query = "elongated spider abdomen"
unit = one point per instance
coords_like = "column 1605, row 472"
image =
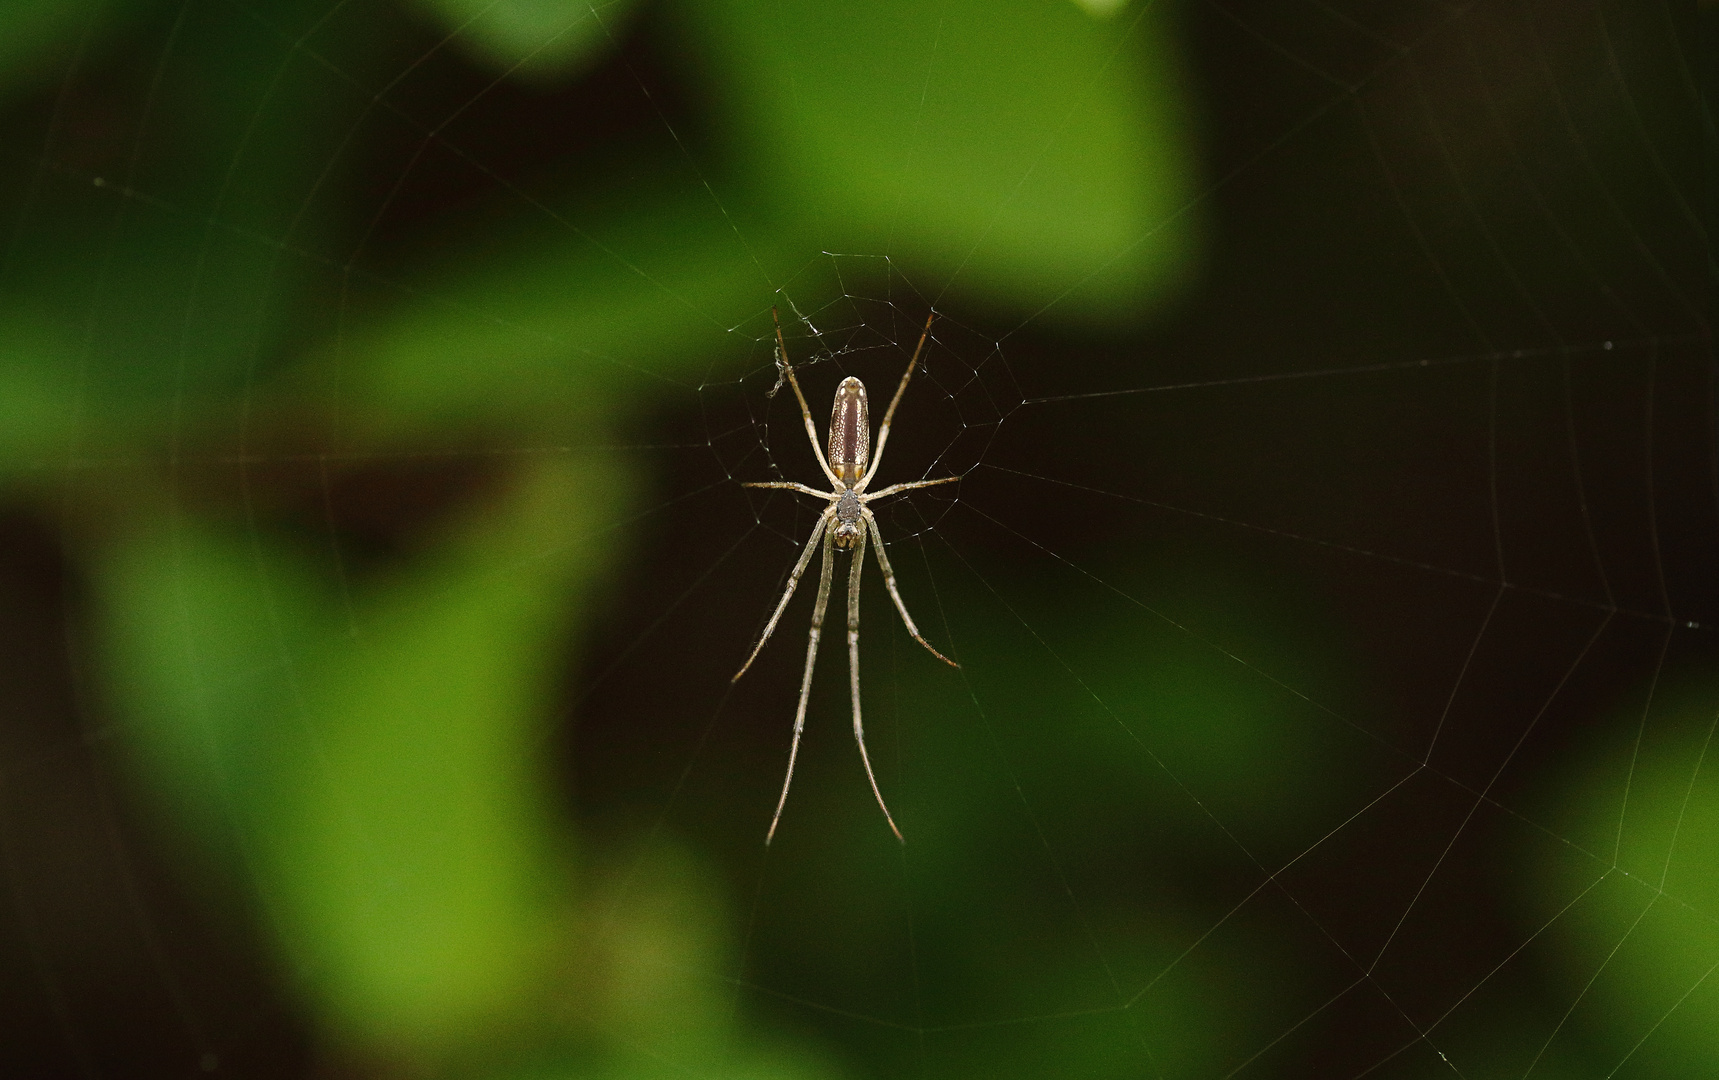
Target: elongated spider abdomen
column 850, row 432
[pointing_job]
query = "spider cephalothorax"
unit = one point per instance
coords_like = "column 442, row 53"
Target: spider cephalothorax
column 849, row 525
column 845, row 523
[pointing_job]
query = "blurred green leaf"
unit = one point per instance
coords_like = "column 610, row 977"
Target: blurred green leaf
column 382, row 760
column 39, row 399
column 415, row 843
column 1640, row 942
column 531, row 38
column 553, row 322
column 1101, row 9
column 151, row 281
column 31, row 31
column 202, row 631
column 1019, row 146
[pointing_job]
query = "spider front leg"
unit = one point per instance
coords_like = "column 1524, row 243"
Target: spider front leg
column 789, row 485
column 854, row 573
column 805, row 410
column 889, row 413
column 811, row 659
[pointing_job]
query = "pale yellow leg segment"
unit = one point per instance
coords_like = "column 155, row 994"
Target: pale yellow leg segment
column 853, row 675
column 895, row 594
column 788, row 593
column 806, row 679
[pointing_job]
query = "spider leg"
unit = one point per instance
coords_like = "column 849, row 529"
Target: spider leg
column 896, row 489
column 894, row 593
column 854, row 573
column 889, row 413
column 788, row 593
column 811, row 658
column 805, row 410
column 789, row 485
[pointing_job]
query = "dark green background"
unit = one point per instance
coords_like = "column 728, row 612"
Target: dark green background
column 1332, row 569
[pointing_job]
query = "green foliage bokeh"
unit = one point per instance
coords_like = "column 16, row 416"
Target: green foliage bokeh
column 360, row 757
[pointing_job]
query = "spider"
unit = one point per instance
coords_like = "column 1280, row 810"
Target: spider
column 844, row 524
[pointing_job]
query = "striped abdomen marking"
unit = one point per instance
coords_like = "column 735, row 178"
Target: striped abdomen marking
column 850, row 432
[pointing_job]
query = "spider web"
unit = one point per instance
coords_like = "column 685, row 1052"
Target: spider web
column 1336, row 638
